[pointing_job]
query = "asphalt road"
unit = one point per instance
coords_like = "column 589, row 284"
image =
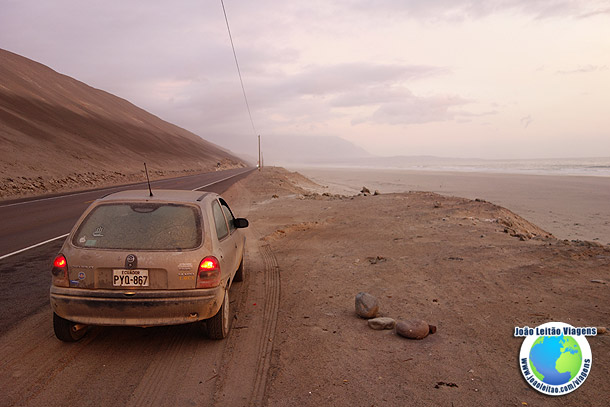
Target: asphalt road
column 118, row 366
column 29, row 222
column 25, row 276
column 124, row 366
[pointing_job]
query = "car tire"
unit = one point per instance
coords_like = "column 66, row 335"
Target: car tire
column 218, row 326
column 66, row 330
column 239, row 274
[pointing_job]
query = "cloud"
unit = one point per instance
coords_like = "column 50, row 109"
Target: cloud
column 315, row 67
column 415, row 110
column 481, row 114
column 595, row 13
column 344, row 77
column 472, row 9
column 308, row 100
column 370, row 95
column 583, row 69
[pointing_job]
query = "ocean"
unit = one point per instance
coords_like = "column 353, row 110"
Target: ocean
column 597, row 167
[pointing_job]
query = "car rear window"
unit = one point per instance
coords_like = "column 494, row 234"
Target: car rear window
column 140, row 226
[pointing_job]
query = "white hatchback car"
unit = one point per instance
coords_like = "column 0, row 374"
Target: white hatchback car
column 138, row 260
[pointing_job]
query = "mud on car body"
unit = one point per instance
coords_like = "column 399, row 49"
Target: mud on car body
column 138, row 260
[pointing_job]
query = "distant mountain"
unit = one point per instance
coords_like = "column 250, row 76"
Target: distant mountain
column 337, row 152
column 309, row 150
column 332, row 151
column 54, row 129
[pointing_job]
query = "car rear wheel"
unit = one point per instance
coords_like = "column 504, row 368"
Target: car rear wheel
column 239, row 274
column 67, row 331
column 218, row 325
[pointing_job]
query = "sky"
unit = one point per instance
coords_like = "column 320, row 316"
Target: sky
column 452, row 78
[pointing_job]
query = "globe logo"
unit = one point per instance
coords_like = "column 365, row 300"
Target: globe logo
column 555, row 357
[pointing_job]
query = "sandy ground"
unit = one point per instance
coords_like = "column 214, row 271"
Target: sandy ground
column 473, row 269
column 468, row 267
column 17, row 187
column 570, row 207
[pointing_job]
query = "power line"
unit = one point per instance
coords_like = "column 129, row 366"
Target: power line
column 243, row 89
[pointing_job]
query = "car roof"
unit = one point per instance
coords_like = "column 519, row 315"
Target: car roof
column 159, row 195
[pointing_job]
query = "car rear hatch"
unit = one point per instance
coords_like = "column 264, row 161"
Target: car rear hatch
column 136, row 245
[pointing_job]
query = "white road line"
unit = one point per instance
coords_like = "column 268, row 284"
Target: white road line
column 220, row 180
column 59, row 237
column 120, row 188
column 105, row 189
column 44, row 199
column 33, row 246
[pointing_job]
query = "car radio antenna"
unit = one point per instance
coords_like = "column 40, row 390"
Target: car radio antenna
column 148, row 179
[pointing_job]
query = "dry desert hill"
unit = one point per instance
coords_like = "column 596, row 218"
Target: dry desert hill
column 57, row 134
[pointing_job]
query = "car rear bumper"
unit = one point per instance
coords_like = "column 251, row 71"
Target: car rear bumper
column 135, row 308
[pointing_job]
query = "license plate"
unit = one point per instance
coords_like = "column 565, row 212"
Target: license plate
column 129, row 278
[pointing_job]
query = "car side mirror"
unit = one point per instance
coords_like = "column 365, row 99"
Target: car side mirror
column 240, row 223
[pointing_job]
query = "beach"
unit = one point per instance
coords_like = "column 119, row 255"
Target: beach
column 472, row 269
column 568, row 206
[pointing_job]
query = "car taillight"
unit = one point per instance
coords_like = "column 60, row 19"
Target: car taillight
column 60, row 262
column 60, row 271
column 208, row 275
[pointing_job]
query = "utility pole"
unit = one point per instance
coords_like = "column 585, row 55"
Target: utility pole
column 260, row 163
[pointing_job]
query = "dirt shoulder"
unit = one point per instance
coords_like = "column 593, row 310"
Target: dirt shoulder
column 15, row 185
column 473, row 269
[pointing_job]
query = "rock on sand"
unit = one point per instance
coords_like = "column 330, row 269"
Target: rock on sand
column 381, row 323
column 366, row 305
column 413, row 329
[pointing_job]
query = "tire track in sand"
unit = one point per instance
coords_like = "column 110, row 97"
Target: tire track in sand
column 161, row 374
column 272, row 300
column 180, row 369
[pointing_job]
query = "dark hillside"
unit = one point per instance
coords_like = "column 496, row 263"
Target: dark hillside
column 58, row 133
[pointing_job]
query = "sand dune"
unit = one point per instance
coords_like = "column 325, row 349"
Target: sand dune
column 56, row 132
